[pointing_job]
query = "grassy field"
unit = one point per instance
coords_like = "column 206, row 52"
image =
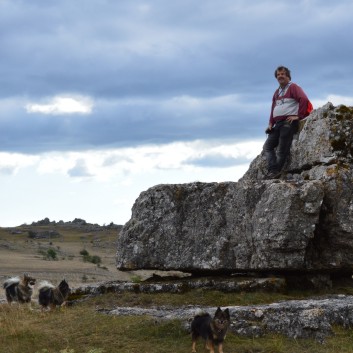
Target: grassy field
column 20, row 253
column 80, row 328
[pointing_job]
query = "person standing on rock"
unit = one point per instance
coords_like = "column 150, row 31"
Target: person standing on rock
column 289, row 105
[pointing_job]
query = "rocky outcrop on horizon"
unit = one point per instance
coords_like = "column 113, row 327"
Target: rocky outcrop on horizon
column 302, row 222
column 77, row 222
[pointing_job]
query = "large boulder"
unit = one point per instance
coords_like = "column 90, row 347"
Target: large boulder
column 302, row 222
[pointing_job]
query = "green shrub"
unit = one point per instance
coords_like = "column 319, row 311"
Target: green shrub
column 50, row 254
column 94, row 259
column 84, row 252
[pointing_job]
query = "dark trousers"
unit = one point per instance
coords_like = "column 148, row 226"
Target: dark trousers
column 278, row 143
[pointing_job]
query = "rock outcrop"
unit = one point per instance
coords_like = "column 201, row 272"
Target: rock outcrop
column 301, row 222
column 313, row 318
column 226, row 285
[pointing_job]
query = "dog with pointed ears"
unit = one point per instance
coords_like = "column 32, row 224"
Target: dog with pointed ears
column 212, row 329
column 51, row 296
column 18, row 289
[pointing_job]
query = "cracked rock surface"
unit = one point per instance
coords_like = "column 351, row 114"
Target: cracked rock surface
column 302, row 222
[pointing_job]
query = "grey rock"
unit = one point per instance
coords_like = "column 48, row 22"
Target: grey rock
column 301, row 222
column 221, row 227
column 312, row 318
column 225, row 285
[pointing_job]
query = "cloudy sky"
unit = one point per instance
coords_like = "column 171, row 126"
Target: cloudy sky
column 100, row 100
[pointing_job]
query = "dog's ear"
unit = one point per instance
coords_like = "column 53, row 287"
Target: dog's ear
column 218, row 310
column 226, row 311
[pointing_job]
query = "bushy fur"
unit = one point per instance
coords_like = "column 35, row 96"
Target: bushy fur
column 212, row 330
column 19, row 289
column 51, row 296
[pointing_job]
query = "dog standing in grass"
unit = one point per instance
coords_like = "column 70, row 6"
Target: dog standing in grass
column 212, row 330
column 19, row 289
column 51, row 296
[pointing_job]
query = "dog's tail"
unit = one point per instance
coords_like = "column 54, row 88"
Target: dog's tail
column 9, row 282
column 44, row 286
column 202, row 314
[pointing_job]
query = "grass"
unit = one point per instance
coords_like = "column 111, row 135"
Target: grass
column 205, row 297
column 81, row 329
column 16, row 248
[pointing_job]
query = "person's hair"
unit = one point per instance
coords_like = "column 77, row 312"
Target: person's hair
column 285, row 69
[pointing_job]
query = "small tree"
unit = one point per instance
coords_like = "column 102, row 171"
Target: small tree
column 51, row 254
column 84, row 252
column 94, row 259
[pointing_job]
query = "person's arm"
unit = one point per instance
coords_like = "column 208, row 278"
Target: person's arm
column 299, row 95
column 271, row 120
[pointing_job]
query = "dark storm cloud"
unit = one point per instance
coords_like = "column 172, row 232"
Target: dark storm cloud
column 157, row 72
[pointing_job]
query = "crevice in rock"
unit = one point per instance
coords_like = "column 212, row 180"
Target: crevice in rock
column 308, row 167
column 316, row 245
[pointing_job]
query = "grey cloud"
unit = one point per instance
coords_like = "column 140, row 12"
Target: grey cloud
column 79, row 170
column 113, row 160
column 154, row 51
column 117, row 125
column 216, row 161
column 7, row 170
column 195, row 49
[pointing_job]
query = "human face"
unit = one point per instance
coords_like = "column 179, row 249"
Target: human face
column 282, row 78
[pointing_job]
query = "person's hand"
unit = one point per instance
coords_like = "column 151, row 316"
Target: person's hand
column 292, row 118
column 268, row 130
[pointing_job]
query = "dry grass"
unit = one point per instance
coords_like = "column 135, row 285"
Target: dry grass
column 81, row 329
column 19, row 253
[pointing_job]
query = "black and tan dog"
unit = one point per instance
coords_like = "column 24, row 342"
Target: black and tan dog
column 19, row 289
column 212, row 330
column 51, row 296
